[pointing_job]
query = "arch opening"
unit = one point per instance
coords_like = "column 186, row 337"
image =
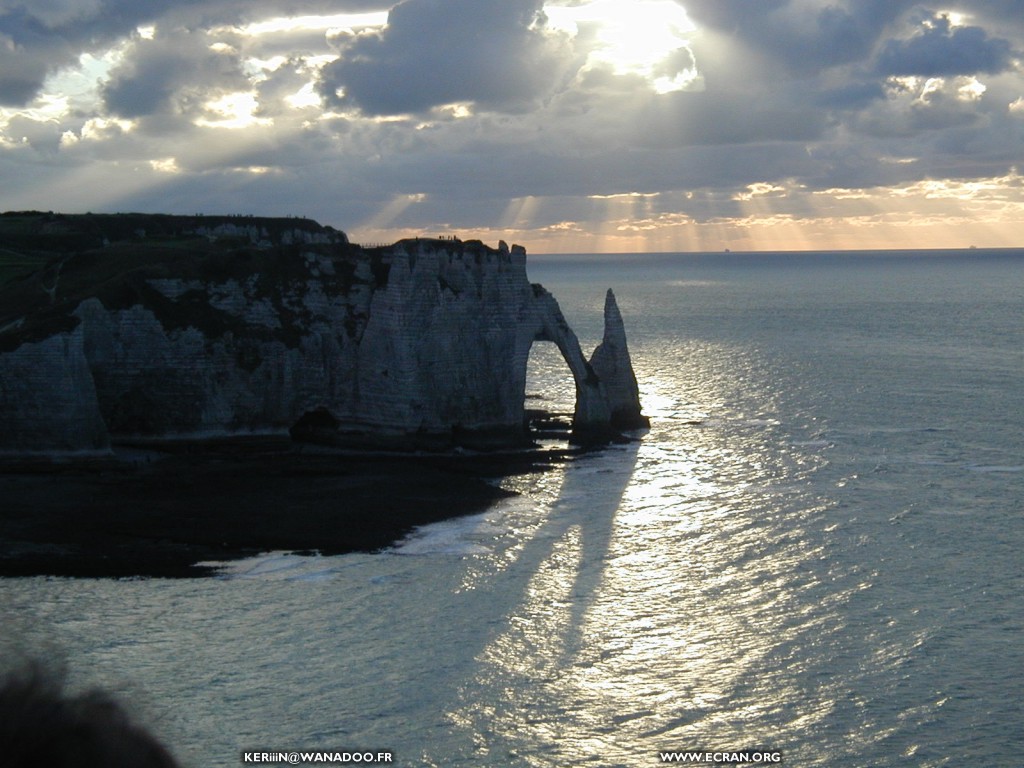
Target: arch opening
column 550, row 392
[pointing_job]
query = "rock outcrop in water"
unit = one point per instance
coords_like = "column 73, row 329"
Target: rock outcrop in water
column 149, row 329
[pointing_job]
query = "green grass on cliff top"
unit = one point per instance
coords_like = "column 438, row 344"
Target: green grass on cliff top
column 50, row 263
column 14, row 264
column 31, row 239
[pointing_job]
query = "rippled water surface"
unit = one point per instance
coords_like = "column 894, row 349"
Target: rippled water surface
column 817, row 548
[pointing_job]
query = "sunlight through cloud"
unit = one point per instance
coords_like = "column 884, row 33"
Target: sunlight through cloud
column 393, row 209
column 647, row 37
column 306, row 96
column 165, row 165
column 634, row 125
column 235, row 110
column 335, row 21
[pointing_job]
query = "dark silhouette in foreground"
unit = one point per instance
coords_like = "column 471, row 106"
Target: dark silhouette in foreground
column 41, row 725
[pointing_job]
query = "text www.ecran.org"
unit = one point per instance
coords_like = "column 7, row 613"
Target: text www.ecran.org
column 744, row 757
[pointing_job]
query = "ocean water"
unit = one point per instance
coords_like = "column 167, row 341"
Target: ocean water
column 817, row 548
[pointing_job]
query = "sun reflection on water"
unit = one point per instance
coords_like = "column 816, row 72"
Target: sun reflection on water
column 669, row 588
column 785, row 560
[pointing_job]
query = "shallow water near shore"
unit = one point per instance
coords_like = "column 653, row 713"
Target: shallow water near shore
column 816, row 549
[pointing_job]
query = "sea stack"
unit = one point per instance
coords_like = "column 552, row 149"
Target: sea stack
column 613, row 367
column 150, row 329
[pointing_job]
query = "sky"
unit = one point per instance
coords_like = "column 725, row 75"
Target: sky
column 562, row 125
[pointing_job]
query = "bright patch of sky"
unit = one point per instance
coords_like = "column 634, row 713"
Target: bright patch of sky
column 69, row 89
column 637, row 37
column 338, row 21
column 233, row 110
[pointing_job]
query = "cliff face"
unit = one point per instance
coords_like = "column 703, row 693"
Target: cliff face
column 238, row 328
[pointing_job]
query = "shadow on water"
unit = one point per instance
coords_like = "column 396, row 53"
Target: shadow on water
column 595, row 522
column 520, row 674
column 441, row 659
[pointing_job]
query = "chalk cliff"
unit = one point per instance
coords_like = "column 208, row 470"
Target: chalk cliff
column 614, row 369
column 167, row 328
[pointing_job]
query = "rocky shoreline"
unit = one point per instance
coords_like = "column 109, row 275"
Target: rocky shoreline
column 214, row 386
column 159, row 516
column 156, row 328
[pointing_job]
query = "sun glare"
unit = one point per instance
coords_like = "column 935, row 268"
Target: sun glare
column 643, row 37
column 234, row 110
column 350, row 21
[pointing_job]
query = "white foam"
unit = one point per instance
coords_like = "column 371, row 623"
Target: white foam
column 279, row 566
column 461, row 536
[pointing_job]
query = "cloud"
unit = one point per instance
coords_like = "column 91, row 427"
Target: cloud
column 546, row 117
column 916, row 105
column 856, row 95
column 800, row 36
column 41, row 37
column 161, row 75
column 688, row 119
column 42, row 135
column 493, row 53
column 27, row 54
column 939, row 49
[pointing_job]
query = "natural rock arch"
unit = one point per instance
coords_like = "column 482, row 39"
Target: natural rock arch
column 607, row 394
column 591, row 408
column 424, row 341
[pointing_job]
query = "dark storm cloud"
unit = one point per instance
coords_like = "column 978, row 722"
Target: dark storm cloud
column 940, row 50
column 494, row 53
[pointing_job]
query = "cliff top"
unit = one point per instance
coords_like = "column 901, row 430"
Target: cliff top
column 50, row 262
column 46, row 228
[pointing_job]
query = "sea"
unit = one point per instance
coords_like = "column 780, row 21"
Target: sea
column 815, row 551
